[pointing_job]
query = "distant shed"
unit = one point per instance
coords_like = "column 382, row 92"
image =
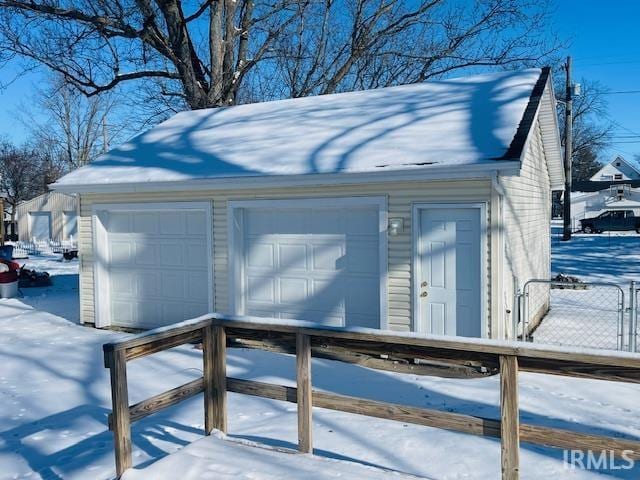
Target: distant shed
column 50, row 216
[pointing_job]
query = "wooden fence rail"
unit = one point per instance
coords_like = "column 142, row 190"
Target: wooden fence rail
column 374, row 349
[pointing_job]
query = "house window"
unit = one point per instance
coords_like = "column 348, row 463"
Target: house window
column 617, row 164
column 618, row 176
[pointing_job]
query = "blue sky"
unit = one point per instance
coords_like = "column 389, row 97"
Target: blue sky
column 605, row 46
column 602, row 38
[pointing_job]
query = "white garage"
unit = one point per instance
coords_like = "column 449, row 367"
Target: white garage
column 154, row 263
column 321, row 260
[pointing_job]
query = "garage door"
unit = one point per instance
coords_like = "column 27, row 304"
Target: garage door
column 158, row 266
column 40, row 225
column 316, row 264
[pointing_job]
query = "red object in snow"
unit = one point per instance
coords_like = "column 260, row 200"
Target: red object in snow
column 12, row 274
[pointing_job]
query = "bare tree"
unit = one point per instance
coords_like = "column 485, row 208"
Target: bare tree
column 219, row 52
column 23, row 174
column 70, row 127
column 592, row 128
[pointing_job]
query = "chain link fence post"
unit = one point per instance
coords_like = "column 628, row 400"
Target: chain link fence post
column 516, row 314
column 633, row 316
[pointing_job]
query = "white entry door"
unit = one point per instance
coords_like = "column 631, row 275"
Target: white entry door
column 449, row 287
column 40, row 225
column 156, row 264
column 315, row 263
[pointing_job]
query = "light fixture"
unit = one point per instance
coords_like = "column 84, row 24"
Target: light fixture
column 396, row 226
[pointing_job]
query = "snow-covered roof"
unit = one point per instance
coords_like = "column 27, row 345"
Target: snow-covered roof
column 456, row 123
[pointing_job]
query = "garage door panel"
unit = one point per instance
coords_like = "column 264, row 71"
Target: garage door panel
column 121, row 253
column 295, row 222
column 326, row 294
column 173, row 223
column 260, row 222
column 261, row 288
column 148, row 284
column 326, row 222
column 158, row 266
column 145, row 222
column 361, row 221
column 358, row 297
column 195, row 254
column 292, row 255
column 327, row 255
column 317, row 264
column 149, row 314
column 172, row 285
column 194, row 224
column 198, row 285
column 293, row 290
column 260, row 254
column 122, row 313
column 171, row 254
column 363, row 256
column 122, row 284
column 118, row 222
column 324, row 317
column 143, row 253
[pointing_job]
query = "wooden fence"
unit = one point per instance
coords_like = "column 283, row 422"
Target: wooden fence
column 375, row 350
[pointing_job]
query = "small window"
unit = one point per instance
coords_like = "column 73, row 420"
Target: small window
column 618, row 176
column 618, row 164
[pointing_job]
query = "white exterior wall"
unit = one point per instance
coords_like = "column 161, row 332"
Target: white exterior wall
column 527, row 220
column 55, row 202
column 608, row 172
column 400, row 197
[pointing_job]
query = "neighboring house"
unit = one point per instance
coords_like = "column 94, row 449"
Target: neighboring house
column 617, row 169
column 50, row 216
column 612, row 197
column 417, row 207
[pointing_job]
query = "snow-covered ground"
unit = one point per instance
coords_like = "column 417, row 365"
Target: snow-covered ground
column 607, row 257
column 54, row 401
column 590, row 317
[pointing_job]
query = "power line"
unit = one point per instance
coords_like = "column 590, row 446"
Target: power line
column 624, row 128
column 620, row 92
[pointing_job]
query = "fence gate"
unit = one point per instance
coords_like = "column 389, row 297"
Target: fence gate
column 585, row 314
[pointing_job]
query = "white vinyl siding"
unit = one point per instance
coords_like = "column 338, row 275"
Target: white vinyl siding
column 527, row 218
column 400, row 197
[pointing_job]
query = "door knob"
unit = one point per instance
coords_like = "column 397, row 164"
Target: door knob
column 424, row 294
column 424, row 284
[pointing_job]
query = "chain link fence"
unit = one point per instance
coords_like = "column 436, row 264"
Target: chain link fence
column 580, row 314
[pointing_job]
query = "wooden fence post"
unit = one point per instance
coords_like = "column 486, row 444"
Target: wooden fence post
column 121, row 426
column 509, row 417
column 214, row 354
column 303, row 377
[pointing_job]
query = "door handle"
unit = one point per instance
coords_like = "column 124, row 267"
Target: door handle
column 424, row 294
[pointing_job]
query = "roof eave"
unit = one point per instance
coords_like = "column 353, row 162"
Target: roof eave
column 541, row 107
column 432, row 173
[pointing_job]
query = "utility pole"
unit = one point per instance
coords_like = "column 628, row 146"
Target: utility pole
column 568, row 147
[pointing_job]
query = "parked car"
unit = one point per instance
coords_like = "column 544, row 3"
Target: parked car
column 611, row 220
